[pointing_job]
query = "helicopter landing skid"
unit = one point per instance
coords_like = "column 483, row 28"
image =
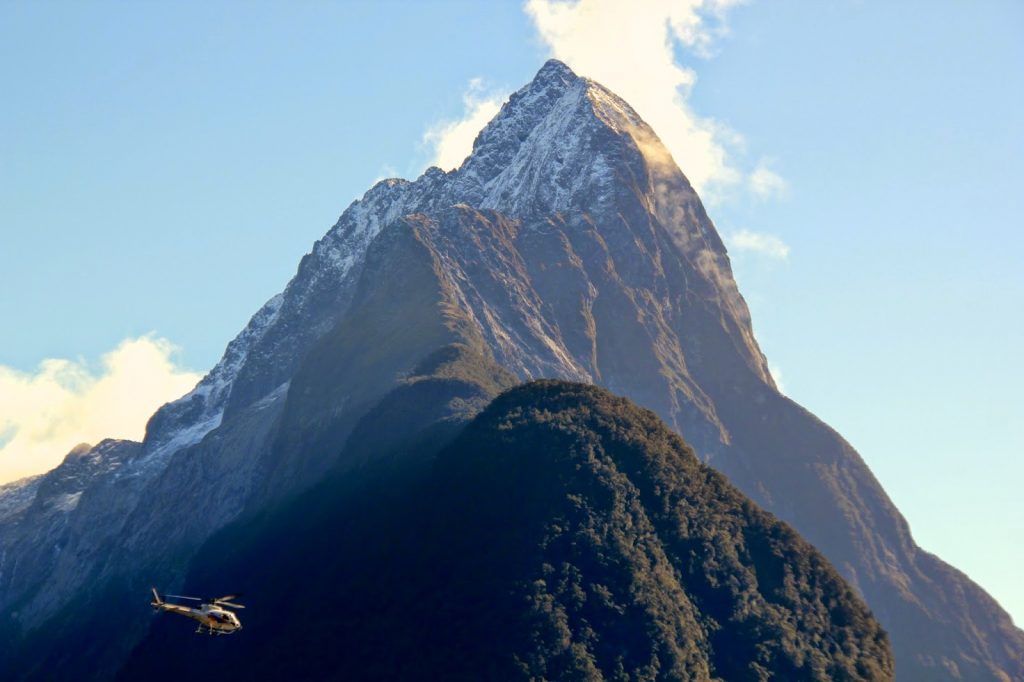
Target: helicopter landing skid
column 213, row 631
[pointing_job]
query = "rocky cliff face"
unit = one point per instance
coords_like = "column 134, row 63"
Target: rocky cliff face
column 569, row 245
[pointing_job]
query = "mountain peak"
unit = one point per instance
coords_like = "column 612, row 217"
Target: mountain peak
column 498, row 143
column 554, row 70
column 559, row 141
column 79, row 450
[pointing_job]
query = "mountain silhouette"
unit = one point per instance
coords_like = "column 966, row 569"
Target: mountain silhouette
column 568, row 245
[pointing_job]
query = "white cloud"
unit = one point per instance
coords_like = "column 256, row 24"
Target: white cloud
column 766, row 183
column 630, row 47
column 452, row 141
column 758, row 242
column 387, row 171
column 43, row 414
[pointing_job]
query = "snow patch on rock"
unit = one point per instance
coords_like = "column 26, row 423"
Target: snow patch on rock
column 16, row 496
column 67, row 502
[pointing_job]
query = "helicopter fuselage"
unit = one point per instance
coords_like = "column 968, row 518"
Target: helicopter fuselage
column 211, row 619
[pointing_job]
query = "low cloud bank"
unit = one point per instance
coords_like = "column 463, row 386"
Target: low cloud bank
column 43, row 414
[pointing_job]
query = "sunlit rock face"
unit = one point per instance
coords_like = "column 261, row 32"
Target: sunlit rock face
column 568, row 244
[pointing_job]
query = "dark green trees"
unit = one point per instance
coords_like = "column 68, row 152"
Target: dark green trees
column 564, row 534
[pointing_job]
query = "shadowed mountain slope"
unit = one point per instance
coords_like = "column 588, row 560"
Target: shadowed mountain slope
column 565, row 534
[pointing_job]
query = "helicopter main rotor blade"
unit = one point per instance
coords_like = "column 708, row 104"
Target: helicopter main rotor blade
column 181, row 596
column 228, row 597
column 230, row 604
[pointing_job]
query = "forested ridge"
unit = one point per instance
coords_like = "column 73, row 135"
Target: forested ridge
column 564, row 534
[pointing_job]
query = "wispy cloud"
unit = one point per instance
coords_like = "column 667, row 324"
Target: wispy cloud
column 758, row 242
column 43, row 414
column 631, row 47
column 387, row 171
column 766, row 183
column 452, row 141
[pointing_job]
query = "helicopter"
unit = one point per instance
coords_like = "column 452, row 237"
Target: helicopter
column 213, row 614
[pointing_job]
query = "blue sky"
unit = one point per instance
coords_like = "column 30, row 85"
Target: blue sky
column 164, row 166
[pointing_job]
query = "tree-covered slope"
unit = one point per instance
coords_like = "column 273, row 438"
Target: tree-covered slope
column 564, row 534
